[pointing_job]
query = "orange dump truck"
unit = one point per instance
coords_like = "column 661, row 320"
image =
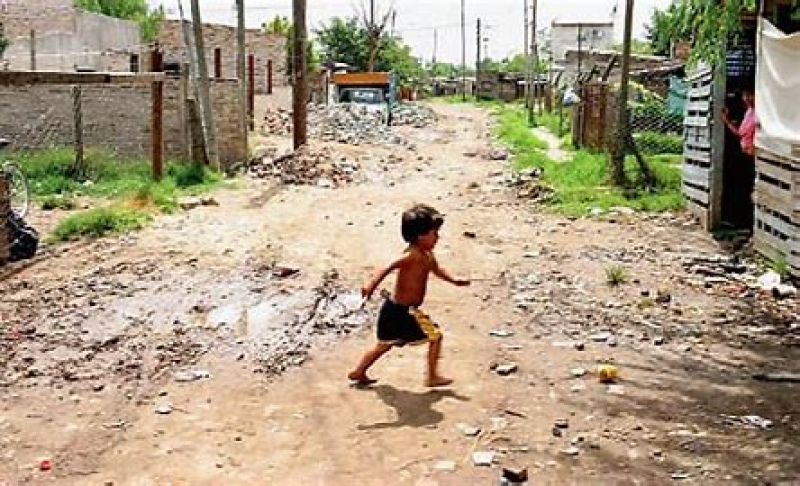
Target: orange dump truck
column 373, row 90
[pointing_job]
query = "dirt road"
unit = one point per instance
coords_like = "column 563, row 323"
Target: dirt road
column 179, row 355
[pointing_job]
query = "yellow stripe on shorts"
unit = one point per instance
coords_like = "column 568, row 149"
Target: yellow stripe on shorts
column 426, row 324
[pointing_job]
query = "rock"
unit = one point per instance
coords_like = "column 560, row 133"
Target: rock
column 468, row 430
column 577, row 372
column 658, row 341
column 562, row 423
column 448, row 466
column 571, row 451
column 470, row 234
column 164, row 409
column 483, row 458
column 506, row 369
column 783, row 291
column 501, row 333
column 189, row 203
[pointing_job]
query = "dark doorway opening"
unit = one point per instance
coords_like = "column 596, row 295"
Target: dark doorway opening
column 738, row 171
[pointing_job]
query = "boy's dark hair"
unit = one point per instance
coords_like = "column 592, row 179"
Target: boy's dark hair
column 419, row 220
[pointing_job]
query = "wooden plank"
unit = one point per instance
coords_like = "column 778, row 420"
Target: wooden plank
column 789, row 230
column 696, row 121
column 699, row 105
column 700, row 73
column 700, row 212
column 695, row 194
column 698, row 176
column 775, row 171
column 698, row 156
column 698, row 145
column 699, row 92
column 771, row 197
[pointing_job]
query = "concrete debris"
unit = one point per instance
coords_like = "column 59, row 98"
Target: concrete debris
column 344, row 123
column 319, row 167
column 529, row 186
column 413, row 115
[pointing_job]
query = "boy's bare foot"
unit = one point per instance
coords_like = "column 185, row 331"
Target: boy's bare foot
column 438, row 381
column 360, row 379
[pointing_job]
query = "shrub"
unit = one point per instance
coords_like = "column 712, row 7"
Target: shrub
column 99, row 222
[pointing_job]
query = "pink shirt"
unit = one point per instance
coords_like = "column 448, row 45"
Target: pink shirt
column 747, row 131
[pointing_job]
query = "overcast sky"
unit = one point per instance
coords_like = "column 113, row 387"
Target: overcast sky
column 417, row 20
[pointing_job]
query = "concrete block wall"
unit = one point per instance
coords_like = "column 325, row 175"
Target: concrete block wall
column 263, row 46
column 20, row 16
column 116, row 117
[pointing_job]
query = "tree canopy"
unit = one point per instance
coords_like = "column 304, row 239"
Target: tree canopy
column 708, row 24
column 346, row 40
column 137, row 10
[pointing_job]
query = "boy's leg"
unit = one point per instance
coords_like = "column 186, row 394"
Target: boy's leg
column 360, row 373
column 434, row 378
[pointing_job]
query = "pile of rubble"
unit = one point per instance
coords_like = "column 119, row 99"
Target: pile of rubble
column 413, row 115
column 277, row 122
column 321, row 167
column 344, row 123
column 528, row 185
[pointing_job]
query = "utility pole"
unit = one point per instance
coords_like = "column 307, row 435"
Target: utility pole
column 534, row 60
column 525, row 30
column 435, row 46
column 240, row 70
column 205, row 99
column 300, row 85
column 617, row 172
column 580, row 48
column 463, row 53
column 371, row 12
column 478, row 57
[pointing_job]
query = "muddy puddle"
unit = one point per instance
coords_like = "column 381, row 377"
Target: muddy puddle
column 167, row 319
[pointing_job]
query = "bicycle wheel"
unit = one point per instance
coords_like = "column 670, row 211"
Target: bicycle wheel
column 19, row 196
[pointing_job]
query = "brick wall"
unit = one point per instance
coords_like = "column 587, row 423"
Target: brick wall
column 263, row 46
column 20, row 16
column 116, row 117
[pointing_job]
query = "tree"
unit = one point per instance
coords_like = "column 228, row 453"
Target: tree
column 347, row 41
column 137, row 10
column 376, row 30
column 344, row 40
column 709, row 24
column 280, row 25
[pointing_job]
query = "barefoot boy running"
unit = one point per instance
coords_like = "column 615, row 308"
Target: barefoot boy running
column 400, row 321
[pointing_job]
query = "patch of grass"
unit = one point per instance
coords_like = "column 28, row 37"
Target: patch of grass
column 616, row 275
column 51, row 202
column 52, row 172
column 583, row 182
column 550, row 121
column 98, row 222
column 780, row 265
column 515, row 132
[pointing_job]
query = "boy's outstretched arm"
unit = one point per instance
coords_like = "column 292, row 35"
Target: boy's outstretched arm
column 445, row 275
column 380, row 274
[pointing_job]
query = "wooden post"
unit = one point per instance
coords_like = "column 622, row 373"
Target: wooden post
column 77, row 112
column 300, row 86
column 203, row 86
column 269, row 76
column 217, row 63
column 241, row 41
column 251, row 90
column 33, row 50
column 4, row 210
column 623, row 125
column 158, row 130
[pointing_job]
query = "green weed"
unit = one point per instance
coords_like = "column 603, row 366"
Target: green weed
column 616, row 275
column 98, row 222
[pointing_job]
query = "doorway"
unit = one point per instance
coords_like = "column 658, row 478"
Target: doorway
column 738, row 171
